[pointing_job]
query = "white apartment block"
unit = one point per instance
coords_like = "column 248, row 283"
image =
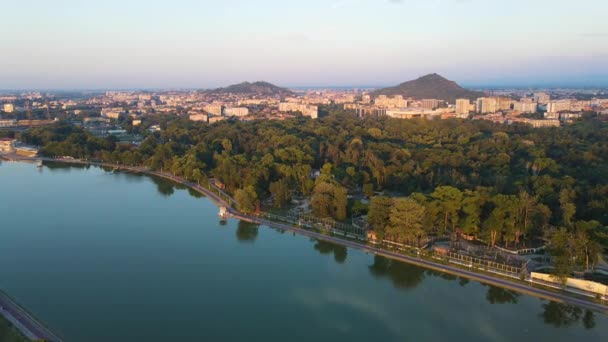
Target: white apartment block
column 559, row 106
column 236, row 111
column 306, row 110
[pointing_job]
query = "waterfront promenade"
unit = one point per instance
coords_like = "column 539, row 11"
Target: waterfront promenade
column 215, row 195
column 29, row 326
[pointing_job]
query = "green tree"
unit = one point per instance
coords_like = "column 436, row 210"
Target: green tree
column 447, row 201
column 378, row 215
column 246, row 199
column 566, row 198
column 329, row 200
column 405, row 221
column 280, row 193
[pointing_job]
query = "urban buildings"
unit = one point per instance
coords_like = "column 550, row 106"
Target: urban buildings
column 7, row 145
column 559, row 106
column 215, row 109
column 112, row 113
column 9, row 107
column 430, row 104
column 411, row 113
column 236, row 111
column 542, row 98
column 463, row 107
column 394, row 102
column 487, row 105
column 199, row 117
column 306, row 110
column 526, row 105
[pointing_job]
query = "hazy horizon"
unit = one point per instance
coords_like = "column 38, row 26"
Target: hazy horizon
column 68, row 44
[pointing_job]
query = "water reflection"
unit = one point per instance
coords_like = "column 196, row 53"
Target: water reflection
column 564, row 315
column 246, row 232
column 402, row 275
column 498, row 295
column 54, row 166
column 463, row 281
column 324, row 247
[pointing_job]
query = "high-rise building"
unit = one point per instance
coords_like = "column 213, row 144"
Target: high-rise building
column 462, row 107
column 215, row 109
column 486, row 105
column 526, row 106
column 542, row 98
column 504, row 103
column 559, row 106
column 430, row 104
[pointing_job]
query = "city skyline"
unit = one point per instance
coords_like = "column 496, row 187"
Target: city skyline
column 139, row 45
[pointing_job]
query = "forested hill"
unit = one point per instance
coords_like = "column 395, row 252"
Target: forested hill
column 255, row 88
column 502, row 183
column 431, row 86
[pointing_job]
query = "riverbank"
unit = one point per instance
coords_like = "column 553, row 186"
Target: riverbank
column 438, row 265
column 8, row 332
column 29, row 327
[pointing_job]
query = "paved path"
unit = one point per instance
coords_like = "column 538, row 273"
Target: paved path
column 22, row 320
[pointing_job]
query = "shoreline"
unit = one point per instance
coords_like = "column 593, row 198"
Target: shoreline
column 543, row 291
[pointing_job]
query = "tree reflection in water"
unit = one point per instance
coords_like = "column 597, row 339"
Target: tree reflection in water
column 498, row 295
column 163, row 187
column 564, row 315
column 402, row 275
column 324, row 247
column 246, row 232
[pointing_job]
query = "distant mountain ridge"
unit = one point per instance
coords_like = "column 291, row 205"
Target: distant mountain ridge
column 255, row 88
column 432, row 86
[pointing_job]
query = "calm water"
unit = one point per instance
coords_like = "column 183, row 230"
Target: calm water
column 106, row 257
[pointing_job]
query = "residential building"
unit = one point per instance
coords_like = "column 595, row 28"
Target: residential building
column 7, row 144
column 112, row 113
column 8, row 123
column 559, row 106
column 236, row 111
column 542, row 98
column 430, row 104
column 504, row 103
column 487, row 105
column 462, row 107
column 215, row 109
column 411, row 113
column 396, row 101
column 199, row 117
column 544, row 123
column 526, row 105
column 9, row 107
column 306, row 110
column 214, row 119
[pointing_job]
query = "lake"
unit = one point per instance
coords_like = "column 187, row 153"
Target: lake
column 104, row 256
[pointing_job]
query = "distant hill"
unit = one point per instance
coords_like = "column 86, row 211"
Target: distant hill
column 431, row 86
column 256, row 88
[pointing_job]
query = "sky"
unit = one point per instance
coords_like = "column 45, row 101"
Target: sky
column 90, row 44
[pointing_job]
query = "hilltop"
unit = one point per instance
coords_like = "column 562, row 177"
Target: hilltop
column 256, row 88
column 432, row 86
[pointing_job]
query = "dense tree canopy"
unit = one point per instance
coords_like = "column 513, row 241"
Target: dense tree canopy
column 502, row 183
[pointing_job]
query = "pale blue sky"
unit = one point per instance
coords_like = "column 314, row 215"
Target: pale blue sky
column 187, row 43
